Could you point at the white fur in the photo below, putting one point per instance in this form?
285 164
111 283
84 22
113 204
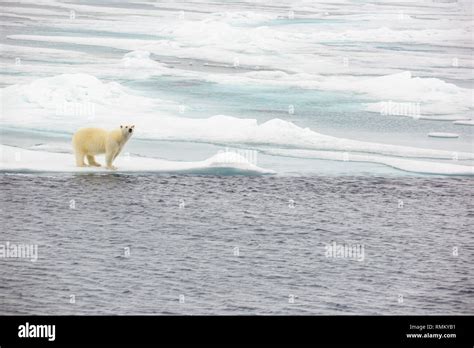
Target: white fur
88 142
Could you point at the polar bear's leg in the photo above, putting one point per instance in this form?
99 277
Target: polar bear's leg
92 162
80 159
116 154
109 157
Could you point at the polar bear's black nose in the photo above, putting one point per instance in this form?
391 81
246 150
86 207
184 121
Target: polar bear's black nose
130 130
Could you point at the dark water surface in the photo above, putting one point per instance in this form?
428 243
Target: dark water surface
238 246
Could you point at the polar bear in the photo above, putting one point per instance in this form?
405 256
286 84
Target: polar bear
94 141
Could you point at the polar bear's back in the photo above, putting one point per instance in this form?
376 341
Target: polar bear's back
90 141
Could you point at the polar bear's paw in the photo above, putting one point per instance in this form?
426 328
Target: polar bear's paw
112 167
91 161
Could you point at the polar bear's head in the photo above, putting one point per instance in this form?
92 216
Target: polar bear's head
127 131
